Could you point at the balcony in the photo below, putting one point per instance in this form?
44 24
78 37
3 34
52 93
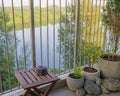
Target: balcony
60 90
52 33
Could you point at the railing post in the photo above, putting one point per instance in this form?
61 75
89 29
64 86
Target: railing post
76 31
31 4
0 82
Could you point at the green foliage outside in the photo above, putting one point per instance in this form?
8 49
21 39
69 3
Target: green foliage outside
66 37
37 16
91 29
56 71
89 35
7 55
111 19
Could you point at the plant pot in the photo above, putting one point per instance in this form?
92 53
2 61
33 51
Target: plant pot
109 68
92 75
74 84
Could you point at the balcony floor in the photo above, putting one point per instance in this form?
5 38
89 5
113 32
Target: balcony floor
60 89
63 91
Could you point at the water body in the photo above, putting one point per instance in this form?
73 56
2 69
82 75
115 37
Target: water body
38 46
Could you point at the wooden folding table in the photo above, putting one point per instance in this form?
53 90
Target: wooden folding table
30 80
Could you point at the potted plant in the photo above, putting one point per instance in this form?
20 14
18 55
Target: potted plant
92 52
75 79
109 63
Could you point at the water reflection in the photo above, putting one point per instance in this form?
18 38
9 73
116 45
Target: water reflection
38 46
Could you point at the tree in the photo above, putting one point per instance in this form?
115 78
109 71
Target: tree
86 33
111 18
7 54
66 36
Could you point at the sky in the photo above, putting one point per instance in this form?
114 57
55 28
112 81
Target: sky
36 2
7 3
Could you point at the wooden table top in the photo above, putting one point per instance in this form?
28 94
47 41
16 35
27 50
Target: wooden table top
29 78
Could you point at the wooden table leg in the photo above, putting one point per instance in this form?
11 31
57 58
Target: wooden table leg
37 90
30 92
49 89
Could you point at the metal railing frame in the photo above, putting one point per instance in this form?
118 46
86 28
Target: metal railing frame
31 4
77 35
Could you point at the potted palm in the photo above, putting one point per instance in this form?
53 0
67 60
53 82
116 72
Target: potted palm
109 63
75 79
91 51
